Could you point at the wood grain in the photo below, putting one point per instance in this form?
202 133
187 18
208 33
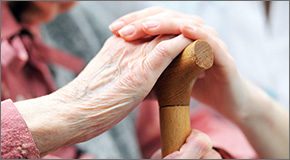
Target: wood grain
173 90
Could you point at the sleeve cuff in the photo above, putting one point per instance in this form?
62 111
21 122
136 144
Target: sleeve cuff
16 139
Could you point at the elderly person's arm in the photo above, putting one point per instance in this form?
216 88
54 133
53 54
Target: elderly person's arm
264 122
108 89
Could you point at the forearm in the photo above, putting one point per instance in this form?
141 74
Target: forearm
265 123
64 117
47 121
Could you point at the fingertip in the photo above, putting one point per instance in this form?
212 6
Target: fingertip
116 25
127 31
189 31
189 28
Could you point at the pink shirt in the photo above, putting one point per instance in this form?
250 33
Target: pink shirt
24 75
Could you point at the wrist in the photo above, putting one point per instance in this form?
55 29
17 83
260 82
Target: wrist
46 118
234 98
256 105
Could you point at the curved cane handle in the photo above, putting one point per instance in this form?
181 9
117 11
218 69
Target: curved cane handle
173 90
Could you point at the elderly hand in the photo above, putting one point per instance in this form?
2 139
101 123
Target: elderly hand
221 86
119 78
197 146
107 90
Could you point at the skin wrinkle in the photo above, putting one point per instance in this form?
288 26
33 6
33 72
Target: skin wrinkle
103 80
103 124
123 54
94 106
91 79
143 61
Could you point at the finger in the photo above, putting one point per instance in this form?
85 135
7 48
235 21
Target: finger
124 20
211 30
156 155
223 62
212 154
164 52
220 53
154 25
196 146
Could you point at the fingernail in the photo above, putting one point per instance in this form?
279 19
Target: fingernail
190 27
116 25
127 31
151 24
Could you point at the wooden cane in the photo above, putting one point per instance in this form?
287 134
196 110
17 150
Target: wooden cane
173 90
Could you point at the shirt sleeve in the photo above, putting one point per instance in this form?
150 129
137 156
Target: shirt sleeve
16 139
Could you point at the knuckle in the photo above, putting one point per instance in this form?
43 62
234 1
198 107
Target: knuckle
161 49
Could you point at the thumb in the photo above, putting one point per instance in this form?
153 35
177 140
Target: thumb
197 145
157 155
164 52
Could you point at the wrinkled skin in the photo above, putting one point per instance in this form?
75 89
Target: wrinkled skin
115 81
120 77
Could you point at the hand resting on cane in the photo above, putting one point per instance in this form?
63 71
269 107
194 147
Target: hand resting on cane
264 122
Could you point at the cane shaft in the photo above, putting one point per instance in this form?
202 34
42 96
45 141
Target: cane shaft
175 127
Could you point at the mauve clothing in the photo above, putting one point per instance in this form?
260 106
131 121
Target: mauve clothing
25 74
16 140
